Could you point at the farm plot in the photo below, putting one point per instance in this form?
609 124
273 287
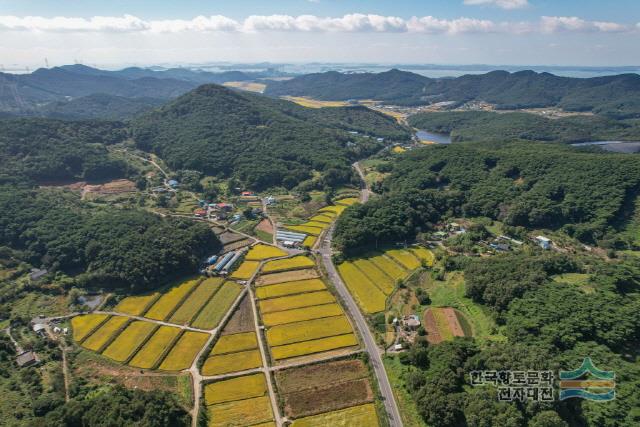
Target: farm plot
295 301
314 231
390 267
245 271
356 416
261 252
136 305
168 302
348 201
300 314
97 340
84 325
232 362
404 257
322 218
196 300
287 288
336 209
184 351
247 412
293 263
378 277
423 254
148 356
235 343
445 323
230 237
286 276
241 320
308 330
212 313
126 344
309 241
238 388
369 297
312 347
236 245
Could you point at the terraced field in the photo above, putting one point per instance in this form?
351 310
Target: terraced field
169 301
240 401
97 340
136 305
261 252
293 263
159 343
196 300
287 288
356 416
368 296
245 271
83 325
184 351
126 344
233 353
211 314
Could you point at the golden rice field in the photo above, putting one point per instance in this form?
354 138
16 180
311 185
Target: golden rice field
248 86
300 314
261 251
389 267
184 351
311 347
196 300
424 254
232 362
286 276
295 301
309 241
348 201
384 282
237 388
123 347
245 271
398 150
83 325
288 288
367 295
148 356
294 263
236 342
317 224
404 257
103 335
314 103
240 412
356 416
322 218
308 330
168 302
137 305
314 231
336 209
217 307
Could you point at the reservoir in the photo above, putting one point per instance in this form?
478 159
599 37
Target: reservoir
436 138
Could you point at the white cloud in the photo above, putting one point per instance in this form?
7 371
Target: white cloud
504 4
351 23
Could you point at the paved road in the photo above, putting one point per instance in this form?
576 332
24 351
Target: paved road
370 345
365 192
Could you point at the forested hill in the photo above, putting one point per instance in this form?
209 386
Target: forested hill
98 106
259 140
618 96
523 184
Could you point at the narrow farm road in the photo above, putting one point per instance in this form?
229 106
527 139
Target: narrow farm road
365 192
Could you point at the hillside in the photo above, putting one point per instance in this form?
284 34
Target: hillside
98 106
617 96
261 141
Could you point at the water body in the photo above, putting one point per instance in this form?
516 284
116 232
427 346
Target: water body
613 146
438 138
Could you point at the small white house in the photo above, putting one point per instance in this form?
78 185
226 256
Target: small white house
543 242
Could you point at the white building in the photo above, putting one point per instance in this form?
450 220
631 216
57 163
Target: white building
543 242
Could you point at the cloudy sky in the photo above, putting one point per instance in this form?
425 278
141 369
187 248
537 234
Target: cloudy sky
144 32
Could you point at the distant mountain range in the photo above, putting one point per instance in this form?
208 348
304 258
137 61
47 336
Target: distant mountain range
617 96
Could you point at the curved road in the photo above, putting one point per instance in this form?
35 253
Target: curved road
369 342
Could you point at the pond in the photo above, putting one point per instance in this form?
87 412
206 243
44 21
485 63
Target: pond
437 138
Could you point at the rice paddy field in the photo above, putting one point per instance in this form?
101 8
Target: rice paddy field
290 302
322 218
300 314
287 288
168 302
136 305
261 252
149 355
406 258
238 388
293 263
246 412
126 344
348 201
306 229
335 209
213 312
308 330
98 339
309 241
390 267
368 296
378 277
83 325
235 343
184 351
195 301
232 362
315 346
245 271
356 416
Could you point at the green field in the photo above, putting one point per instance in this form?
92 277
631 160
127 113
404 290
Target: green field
217 307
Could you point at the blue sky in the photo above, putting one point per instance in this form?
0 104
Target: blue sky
519 32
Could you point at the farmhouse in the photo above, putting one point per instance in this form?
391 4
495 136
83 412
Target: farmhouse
28 358
543 242
412 321
37 273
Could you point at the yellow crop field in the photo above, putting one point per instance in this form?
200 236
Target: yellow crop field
308 330
235 389
148 355
314 103
83 325
398 150
336 209
236 342
377 276
129 340
314 231
322 218
269 424
135 306
404 257
424 254
240 412
167 302
214 311
184 351
311 347
317 224
355 416
348 201
294 263
245 271
102 336
248 86
196 300
262 251
309 241
389 267
300 314
369 297
232 362
288 288
286 276
295 301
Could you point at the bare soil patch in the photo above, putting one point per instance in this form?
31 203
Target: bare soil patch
237 245
320 375
454 324
330 398
241 320
265 225
433 335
